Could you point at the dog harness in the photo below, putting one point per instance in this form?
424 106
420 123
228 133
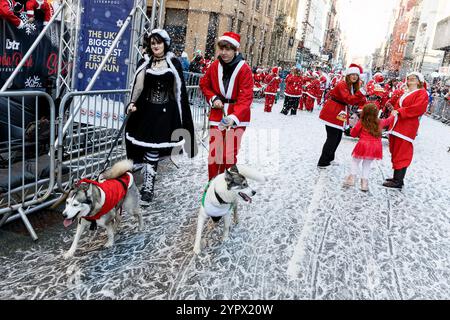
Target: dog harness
212 210
112 192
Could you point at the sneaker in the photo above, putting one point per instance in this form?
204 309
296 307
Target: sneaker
323 167
364 185
146 198
349 181
334 163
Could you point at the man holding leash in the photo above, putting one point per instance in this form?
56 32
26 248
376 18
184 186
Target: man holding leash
228 88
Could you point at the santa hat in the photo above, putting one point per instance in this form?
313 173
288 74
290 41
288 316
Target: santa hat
163 34
232 38
417 74
354 69
378 77
275 70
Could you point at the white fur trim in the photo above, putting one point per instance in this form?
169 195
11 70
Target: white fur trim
211 100
308 94
235 119
417 74
229 93
405 95
230 40
130 183
270 93
30 12
401 136
241 124
353 70
332 125
169 57
154 145
147 60
291 95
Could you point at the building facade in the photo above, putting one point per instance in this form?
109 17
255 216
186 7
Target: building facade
196 25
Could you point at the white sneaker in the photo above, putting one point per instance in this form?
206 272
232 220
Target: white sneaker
334 163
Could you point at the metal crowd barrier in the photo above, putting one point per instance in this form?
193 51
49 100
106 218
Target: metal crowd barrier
90 122
27 154
439 109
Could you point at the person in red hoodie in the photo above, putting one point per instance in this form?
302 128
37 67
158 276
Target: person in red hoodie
411 106
293 92
228 88
43 5
8 11
272 82
335 111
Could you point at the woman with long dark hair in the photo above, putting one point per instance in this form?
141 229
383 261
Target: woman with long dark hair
160 109
335 111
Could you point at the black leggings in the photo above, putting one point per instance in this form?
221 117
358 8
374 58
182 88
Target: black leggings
334 137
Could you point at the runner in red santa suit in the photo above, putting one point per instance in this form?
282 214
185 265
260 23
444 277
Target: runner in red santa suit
272 82
307 78
412 105
313 93
43 5
8 10
335 111
392 103
376 92
293 92
228 87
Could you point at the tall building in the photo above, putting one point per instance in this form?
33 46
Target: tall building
441 40
400 35
312 19
196 25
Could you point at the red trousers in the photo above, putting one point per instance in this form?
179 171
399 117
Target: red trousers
401 152
223 149
270 99
309 103
301 105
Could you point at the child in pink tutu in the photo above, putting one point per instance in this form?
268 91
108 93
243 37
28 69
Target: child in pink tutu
369 146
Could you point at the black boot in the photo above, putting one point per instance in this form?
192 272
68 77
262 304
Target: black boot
397 181
293 111
284 111
148 186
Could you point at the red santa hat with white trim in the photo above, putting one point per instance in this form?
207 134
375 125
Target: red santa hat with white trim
232 38
354 69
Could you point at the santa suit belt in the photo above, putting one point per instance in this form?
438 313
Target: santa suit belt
337 101
224 100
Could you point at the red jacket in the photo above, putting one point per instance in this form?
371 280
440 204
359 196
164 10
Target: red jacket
332 108
313 89
412 106
240 89
7 13
114 191
258 78
293 86
36 5
273 83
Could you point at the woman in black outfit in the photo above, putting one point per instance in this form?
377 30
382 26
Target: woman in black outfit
161 117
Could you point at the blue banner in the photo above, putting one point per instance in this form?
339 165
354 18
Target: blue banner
101 21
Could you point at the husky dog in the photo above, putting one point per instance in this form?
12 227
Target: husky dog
101 203
221 196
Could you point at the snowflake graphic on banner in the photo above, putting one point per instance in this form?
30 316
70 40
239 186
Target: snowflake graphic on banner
33 82
29 27
119 23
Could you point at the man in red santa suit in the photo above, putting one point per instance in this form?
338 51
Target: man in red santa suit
272 82
8 10
293 92
43 5
402 133
228 88
335 113
306 79
376 92
313 93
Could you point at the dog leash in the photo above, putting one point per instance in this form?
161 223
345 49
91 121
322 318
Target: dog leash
119 134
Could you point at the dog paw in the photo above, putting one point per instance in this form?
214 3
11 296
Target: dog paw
196 250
